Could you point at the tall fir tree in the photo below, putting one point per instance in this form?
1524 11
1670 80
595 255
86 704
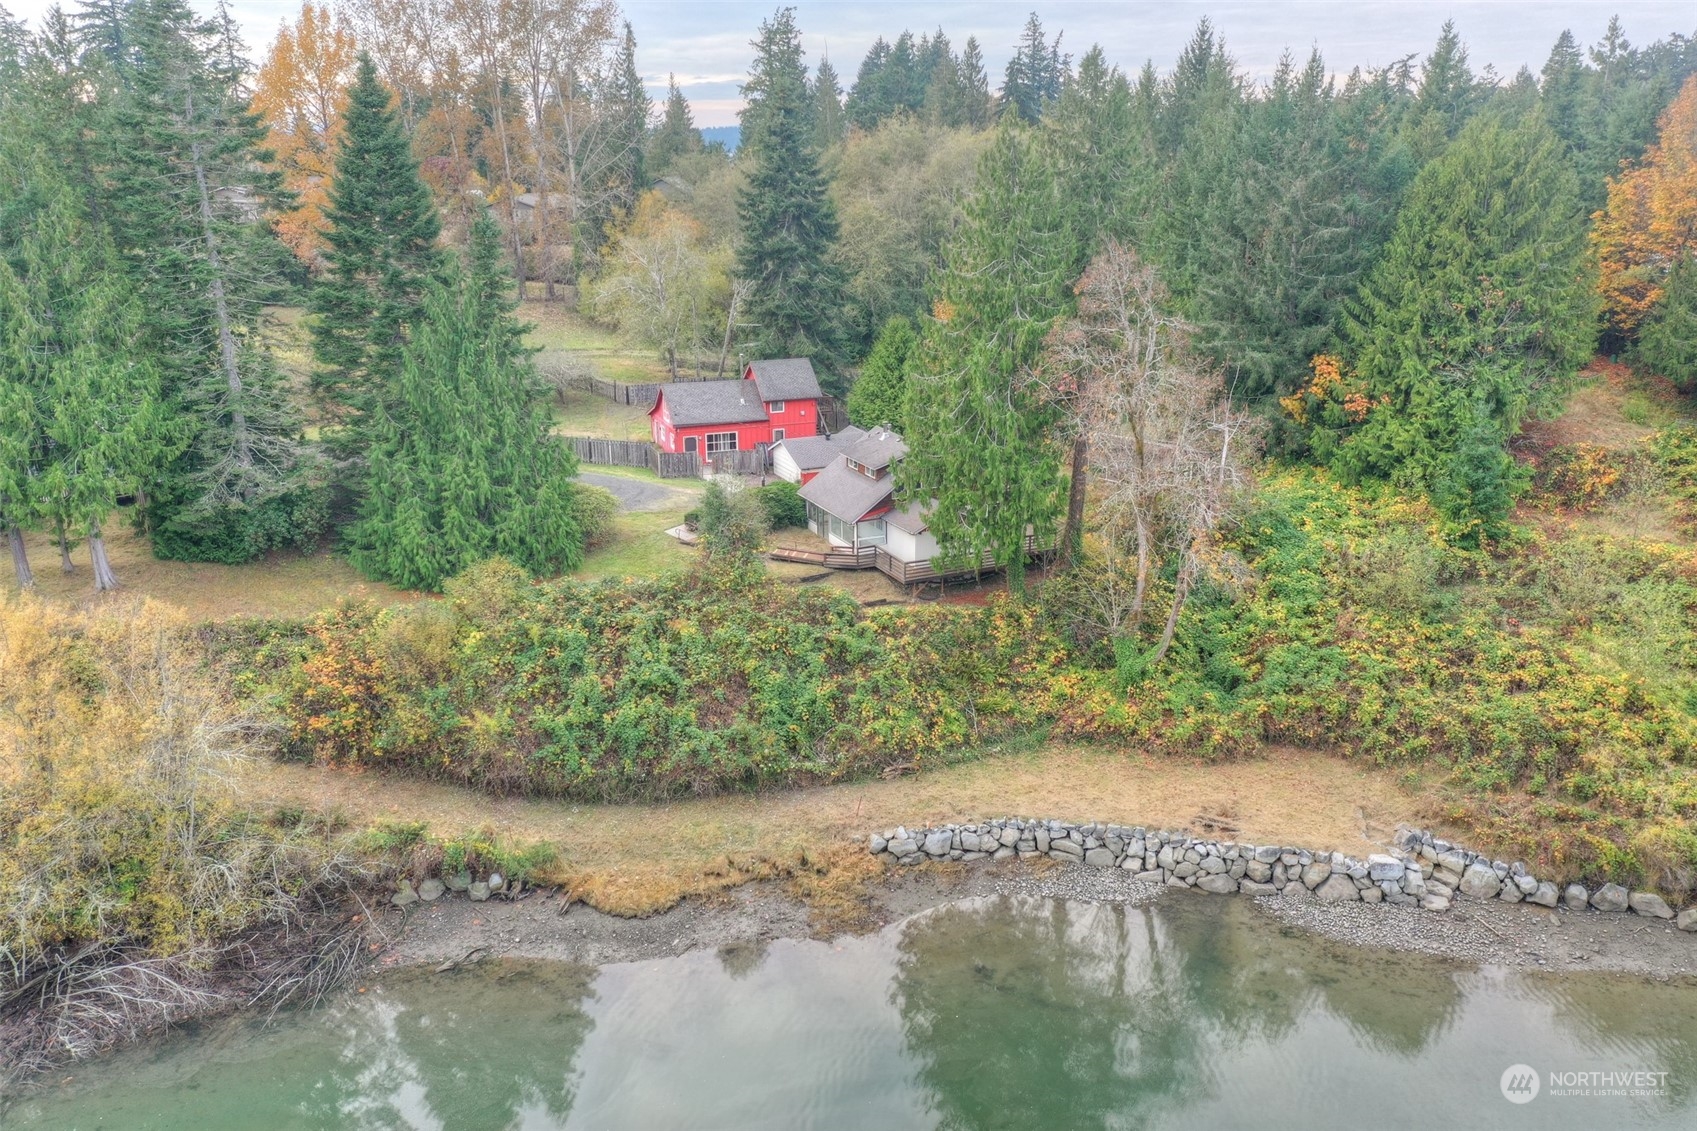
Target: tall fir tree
1035 74
979 446
80 396
789 226
1480 312
182 151
676 137
463 465
879 395
975 86
829 126
382 256
1667 344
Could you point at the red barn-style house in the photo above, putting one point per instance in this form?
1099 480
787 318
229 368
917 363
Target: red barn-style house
775 400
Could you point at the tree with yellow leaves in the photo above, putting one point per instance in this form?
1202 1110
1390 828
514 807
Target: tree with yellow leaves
301 90
1650 222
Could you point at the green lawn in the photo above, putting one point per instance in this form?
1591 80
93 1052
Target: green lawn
639 547
565 334
580 413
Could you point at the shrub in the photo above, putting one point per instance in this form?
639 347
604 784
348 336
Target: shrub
594 508
783 504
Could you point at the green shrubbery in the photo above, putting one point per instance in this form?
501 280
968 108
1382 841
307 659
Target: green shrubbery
684 684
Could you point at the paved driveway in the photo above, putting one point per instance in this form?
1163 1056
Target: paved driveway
640 494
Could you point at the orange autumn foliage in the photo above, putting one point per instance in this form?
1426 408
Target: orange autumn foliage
300 91
1650 219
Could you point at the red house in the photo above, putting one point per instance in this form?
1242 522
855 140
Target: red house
775 400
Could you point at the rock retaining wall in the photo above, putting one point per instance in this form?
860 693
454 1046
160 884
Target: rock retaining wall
1423 871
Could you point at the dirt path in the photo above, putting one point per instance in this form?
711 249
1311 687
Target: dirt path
643 857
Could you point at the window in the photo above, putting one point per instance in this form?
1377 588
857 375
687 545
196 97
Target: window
871 533
775 406
777 435
690 444
721 442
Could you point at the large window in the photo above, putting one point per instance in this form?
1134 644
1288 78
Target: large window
721 442
775 406
872 533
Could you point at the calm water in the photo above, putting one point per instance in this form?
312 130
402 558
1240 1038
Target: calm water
998 1013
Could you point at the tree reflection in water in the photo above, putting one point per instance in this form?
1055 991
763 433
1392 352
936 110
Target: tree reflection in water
431 1055
1021 1012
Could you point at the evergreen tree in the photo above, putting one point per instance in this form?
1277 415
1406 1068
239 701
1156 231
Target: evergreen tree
1667 344
181 179
978 430
1562 85
1034 75
879 395
382 258
975 86
1480 311
676 136
788 223
828 120
1447 96
81 399
463 465
868 102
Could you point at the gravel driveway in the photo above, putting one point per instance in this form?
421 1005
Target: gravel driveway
639 494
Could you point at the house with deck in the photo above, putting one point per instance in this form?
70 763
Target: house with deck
851 504
773 401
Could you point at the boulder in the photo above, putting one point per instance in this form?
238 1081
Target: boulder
905 846
1268 854
1686 920
1575 897
1432 901
1214 865
1511 893
1371 895
937 843
1381 867
1066 850
1258 871
1009 837
1337 888
876 844
1546 895
478 891
1314 874
1251 887
1184 869
497 883
405 896
1002 853
1650 905
1217 882
431 890
1152 876
1481 881
1100 857
1610 897
459 881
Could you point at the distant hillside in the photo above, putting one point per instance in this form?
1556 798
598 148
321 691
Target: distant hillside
728 135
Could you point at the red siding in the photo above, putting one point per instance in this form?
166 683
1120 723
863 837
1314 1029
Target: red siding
797 418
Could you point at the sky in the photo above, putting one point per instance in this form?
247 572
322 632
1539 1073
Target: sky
706 42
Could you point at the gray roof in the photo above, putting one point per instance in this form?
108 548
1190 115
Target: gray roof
879 449
813 452
841 491
785 379
908 518
692 403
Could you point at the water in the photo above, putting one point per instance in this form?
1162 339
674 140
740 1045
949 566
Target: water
994 1013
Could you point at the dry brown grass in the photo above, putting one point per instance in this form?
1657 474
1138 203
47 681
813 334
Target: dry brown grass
639 859
281 584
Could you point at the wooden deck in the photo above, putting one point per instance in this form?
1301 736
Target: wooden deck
918 573
841 558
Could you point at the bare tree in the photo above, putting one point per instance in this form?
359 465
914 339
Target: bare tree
1152 424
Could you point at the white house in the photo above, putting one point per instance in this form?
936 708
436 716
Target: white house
801 458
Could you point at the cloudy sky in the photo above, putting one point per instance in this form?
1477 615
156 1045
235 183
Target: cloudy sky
706 42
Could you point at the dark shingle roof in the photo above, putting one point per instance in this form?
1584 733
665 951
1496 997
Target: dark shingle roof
909 518
879 449
813 452
785 379
693 403
841 491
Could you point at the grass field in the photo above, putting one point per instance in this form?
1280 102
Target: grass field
284 583
579 413
557 330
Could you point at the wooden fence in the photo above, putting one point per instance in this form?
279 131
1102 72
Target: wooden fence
740 463
636 453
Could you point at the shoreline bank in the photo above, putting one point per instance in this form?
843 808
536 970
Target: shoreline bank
1477 933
